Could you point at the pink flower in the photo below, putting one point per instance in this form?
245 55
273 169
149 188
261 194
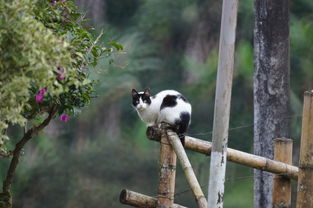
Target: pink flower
42 91
53 2
39 96
61 74
64 117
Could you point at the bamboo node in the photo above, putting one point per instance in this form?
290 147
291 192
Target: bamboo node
165 195
309 93
306 167
168 167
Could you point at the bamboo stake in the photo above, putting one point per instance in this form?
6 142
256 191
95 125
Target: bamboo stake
186 166
282 184
139 200
166 187
243 158
305 179
222 103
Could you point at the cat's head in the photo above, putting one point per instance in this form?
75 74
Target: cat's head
141 100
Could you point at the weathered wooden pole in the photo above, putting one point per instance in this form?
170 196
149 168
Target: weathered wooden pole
271 88
222 103
236 156
166 189
305 178
186 166
281 183
140 200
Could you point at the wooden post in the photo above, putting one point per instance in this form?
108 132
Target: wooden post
166 189
222 103
281 183
186 166
140 200
236 156
305 178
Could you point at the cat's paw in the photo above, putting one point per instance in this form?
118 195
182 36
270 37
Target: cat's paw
164 125
153 132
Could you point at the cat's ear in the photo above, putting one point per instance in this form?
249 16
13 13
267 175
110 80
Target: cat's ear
147 92
134 92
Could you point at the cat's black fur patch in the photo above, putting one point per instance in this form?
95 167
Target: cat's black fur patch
143 96
183 98
169 101
183 122
146 98
135 99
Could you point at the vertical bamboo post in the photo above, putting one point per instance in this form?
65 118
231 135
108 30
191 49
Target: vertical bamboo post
222 103
305 177
282 184
166 187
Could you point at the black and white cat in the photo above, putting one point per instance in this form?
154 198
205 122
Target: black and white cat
167 106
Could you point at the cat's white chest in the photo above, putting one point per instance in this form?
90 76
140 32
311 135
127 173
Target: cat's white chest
150 116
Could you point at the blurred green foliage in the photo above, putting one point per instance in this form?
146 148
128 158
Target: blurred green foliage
85 163
31 54
44 46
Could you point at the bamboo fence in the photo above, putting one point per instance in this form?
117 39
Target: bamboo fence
281 166
243 158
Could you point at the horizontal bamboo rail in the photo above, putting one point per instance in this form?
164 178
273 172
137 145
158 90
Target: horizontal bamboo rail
139 200
243 158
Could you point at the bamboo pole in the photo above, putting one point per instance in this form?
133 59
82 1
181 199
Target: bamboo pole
222 103
140 200
305 179
243 158
282 184
186 166
166 188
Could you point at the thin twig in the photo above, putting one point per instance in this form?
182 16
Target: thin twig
20 145
93 44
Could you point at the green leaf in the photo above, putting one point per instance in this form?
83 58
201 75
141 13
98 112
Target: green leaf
116 45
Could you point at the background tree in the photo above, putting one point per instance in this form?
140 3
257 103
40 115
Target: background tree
45 55
271 87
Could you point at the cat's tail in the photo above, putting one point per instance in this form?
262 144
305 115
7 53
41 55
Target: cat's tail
182 125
